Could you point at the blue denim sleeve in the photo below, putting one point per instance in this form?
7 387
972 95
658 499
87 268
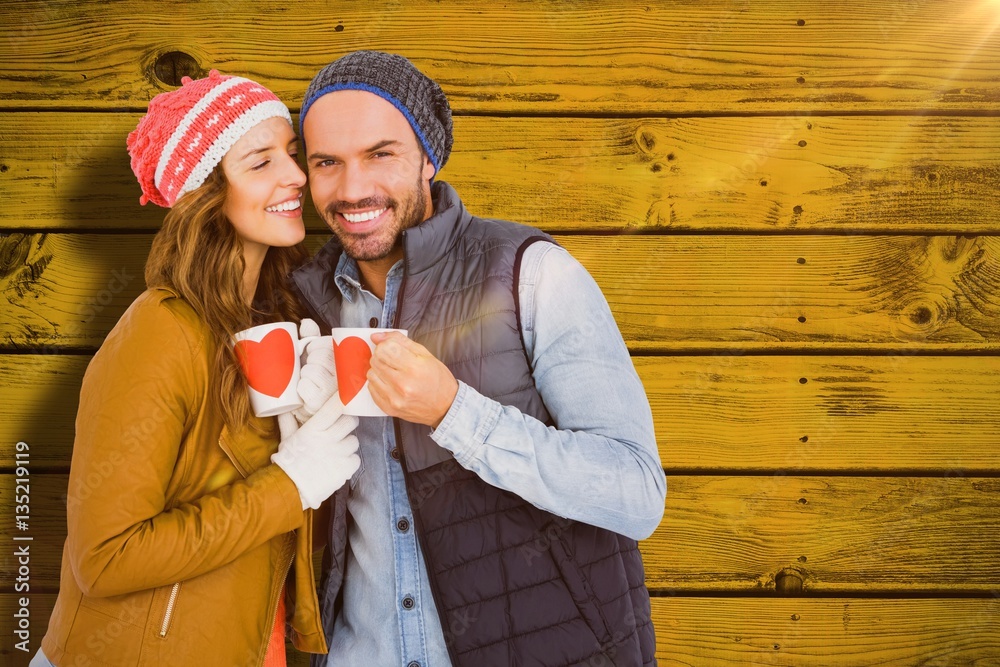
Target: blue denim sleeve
599 464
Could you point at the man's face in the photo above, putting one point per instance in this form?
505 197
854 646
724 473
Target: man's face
368 177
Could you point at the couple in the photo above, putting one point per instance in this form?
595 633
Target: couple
492 519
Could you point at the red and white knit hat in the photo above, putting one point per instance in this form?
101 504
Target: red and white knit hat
186 132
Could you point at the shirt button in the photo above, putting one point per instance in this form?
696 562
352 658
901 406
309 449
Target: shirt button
408 602
394 453
403 525
413 664
373 322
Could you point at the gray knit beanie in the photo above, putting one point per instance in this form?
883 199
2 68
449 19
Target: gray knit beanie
396 80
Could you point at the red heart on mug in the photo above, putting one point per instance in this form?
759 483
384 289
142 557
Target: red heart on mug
353 358
268 364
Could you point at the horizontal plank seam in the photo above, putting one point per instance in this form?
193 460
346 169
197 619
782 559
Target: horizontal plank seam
602 232
884 594
597 115
875 473
790 350
872 473
783 350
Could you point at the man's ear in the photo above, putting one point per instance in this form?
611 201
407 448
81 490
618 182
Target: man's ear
428 168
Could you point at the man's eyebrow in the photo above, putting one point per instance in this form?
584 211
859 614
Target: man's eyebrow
317 155
382 144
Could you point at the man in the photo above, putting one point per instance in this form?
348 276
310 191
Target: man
494 517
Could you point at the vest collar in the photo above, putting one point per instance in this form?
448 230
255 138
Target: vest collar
430 241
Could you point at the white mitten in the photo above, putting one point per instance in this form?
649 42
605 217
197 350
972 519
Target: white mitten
322 454
318 377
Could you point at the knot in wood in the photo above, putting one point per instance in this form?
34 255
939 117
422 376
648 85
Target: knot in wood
922 316
13 253
646 140
788 582
173 66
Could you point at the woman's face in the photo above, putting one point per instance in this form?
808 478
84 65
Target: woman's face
264 199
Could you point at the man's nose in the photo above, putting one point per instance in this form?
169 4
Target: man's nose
355 184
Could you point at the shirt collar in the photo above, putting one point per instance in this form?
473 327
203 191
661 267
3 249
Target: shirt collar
347 278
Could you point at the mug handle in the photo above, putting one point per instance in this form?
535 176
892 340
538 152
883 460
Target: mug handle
301 343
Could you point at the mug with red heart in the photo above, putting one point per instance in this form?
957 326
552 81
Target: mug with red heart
269 355
352 354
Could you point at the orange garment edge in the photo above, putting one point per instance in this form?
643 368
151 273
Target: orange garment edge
275 656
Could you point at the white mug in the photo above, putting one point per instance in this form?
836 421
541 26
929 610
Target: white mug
269 355
352 353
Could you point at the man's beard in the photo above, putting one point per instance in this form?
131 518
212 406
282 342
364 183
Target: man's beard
378 243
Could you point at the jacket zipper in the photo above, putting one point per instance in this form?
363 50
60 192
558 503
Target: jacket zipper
170 609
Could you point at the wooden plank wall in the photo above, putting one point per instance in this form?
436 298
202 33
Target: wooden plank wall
791 206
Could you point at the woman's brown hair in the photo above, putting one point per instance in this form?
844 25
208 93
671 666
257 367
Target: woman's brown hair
198 254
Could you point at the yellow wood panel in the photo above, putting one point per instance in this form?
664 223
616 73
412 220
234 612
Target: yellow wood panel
846 632
730 292
592 56
68 289
39 396
911 173
921 535
712 413
839 535
853 413
819 292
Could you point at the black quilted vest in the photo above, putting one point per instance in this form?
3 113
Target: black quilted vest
513 584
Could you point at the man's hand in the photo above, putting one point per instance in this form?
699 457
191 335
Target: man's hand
409 382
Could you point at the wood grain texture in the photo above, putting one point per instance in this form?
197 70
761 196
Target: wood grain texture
588 57
696 631
847 632
830 535
724 292
39 397
857 414
838 535
63 288
907 174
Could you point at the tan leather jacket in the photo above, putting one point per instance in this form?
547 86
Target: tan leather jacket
180 533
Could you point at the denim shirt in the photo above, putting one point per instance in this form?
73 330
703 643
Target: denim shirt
601 466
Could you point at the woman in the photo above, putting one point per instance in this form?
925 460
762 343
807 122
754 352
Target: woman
183 519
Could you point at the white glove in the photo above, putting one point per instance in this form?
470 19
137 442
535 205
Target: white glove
318 376
321 455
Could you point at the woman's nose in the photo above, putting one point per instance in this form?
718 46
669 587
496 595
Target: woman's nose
293 175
